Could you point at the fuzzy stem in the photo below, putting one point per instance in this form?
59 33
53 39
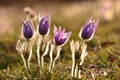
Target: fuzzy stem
81 62
29 58
38 55
74 68
79 67
81 43
38 51
52 65
24 61
51 58
42 61
79 71
28 50
79 74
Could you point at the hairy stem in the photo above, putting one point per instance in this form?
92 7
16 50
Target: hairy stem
52 65
42 61
38 55
24 61
78 62
74 68
39 45
30 55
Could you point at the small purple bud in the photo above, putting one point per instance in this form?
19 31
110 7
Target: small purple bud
60 37
27 29
88 29
43 26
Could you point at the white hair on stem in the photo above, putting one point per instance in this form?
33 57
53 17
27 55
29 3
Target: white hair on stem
45 53
73 57
82 57
38 49
52 61
30 55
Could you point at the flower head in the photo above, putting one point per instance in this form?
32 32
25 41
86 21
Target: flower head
88 29
60 36
27 29
44 23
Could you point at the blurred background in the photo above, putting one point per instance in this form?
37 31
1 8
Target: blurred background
70 14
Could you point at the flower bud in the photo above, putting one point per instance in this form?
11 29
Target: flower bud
27 29
88 29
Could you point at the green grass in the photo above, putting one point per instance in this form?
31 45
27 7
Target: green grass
98 62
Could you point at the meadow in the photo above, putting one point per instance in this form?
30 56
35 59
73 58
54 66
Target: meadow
103 59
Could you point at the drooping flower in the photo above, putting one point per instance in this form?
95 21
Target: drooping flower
60 36
27 29
43 26
88 29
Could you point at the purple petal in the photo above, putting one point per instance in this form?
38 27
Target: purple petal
27 29
43 25
60 36
89 28
55 30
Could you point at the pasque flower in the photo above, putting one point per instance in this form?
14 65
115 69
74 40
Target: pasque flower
27 29
25 47
60 36
88 29
43 30
44 23
43 49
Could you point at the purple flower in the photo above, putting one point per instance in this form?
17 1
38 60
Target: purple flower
43 26
88 29
60 37
27 29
